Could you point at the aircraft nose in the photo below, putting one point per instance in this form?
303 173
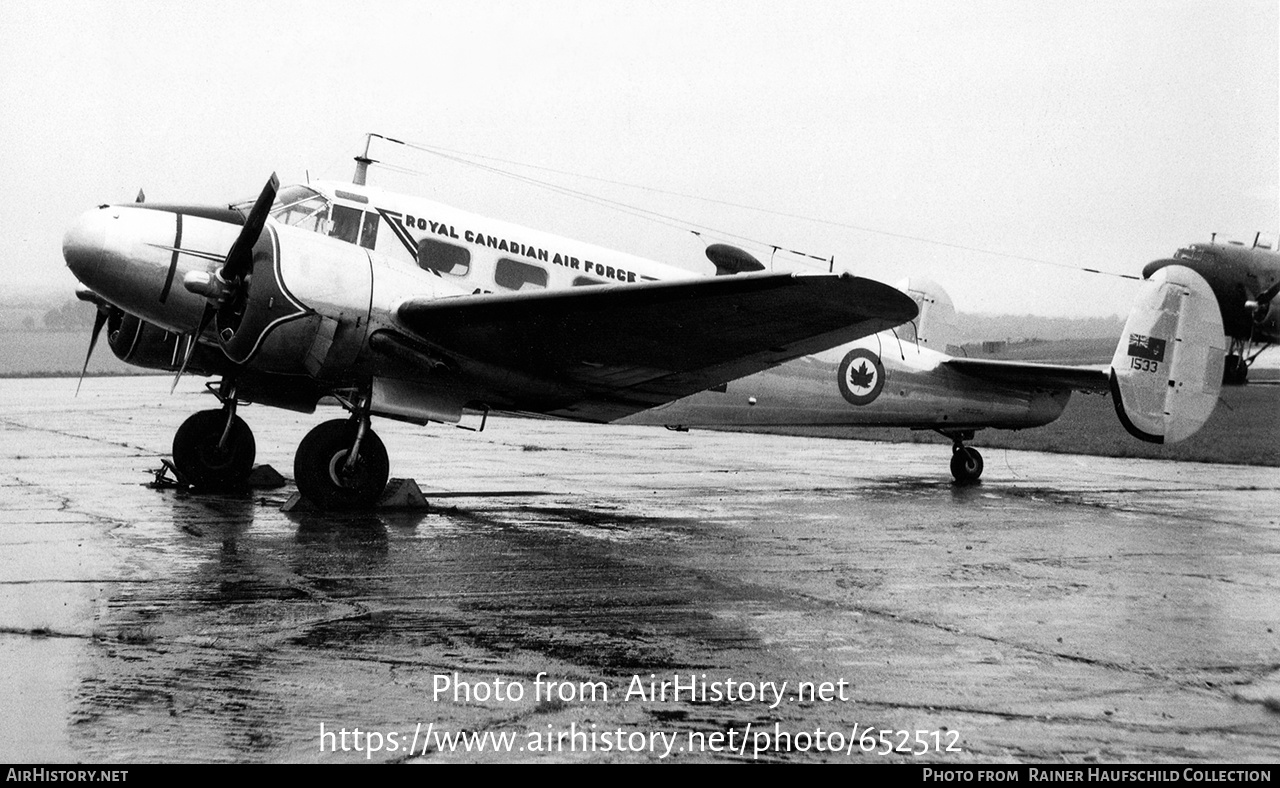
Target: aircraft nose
84 244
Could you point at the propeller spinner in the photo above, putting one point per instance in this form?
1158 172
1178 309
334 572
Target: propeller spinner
1261 306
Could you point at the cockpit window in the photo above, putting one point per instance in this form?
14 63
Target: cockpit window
298 206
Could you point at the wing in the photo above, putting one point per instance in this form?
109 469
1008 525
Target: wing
1021 374
599 353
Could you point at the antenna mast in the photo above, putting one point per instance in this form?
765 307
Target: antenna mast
363 162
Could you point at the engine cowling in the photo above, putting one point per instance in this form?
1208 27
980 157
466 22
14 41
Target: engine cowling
142 344
304 309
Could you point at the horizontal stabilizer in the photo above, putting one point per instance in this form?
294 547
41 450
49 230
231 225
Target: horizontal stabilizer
1020 374
1167 368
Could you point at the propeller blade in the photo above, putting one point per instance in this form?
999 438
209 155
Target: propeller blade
99 320
205 319
240 257
1266 296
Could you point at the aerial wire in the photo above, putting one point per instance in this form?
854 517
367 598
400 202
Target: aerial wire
467 158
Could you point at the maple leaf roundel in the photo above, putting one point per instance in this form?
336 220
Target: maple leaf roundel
861 376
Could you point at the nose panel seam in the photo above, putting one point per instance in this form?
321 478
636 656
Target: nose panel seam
173 261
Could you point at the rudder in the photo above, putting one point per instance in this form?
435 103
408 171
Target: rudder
1167 369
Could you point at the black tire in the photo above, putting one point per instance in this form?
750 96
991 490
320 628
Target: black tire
319 467
1235 371
966 465
202 464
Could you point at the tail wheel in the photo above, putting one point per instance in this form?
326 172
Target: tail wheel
966 464
321 470
202 462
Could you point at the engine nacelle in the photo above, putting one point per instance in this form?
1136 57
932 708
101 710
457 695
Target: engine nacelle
303 310
142 344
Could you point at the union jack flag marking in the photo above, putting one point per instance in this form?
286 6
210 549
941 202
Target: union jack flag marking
1150 348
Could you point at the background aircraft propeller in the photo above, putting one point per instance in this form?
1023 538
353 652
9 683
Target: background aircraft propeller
1261 306
228 282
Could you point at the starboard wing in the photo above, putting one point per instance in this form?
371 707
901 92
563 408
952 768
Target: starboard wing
602 352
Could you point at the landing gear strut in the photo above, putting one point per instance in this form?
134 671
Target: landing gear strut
966 462
214 450
1235 368
342 464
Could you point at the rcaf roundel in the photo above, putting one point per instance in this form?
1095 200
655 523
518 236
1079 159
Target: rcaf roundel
861 376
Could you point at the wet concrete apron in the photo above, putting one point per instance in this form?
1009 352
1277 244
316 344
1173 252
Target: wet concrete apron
1068 608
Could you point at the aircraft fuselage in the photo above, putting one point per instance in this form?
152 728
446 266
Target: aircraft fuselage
877 381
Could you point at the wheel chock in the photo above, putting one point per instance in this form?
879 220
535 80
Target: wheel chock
402 494
162 480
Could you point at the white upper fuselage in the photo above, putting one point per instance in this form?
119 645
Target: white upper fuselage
914 391
327 301
477 252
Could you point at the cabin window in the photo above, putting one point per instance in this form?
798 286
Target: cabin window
515 275
443 258
369 235
346 223
582 281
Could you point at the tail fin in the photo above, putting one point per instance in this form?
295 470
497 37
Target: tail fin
935 326
1167 369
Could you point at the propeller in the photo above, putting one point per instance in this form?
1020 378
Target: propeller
229 280
99 320
1261 305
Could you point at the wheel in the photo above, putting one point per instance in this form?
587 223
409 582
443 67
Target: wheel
319 467
199 460
1235 372
966 464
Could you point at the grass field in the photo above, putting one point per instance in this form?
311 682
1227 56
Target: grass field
57 353
1244 429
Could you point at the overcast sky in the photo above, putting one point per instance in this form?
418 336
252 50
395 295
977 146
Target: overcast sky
945 140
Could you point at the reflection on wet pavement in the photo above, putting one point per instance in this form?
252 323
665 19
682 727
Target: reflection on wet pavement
1095 610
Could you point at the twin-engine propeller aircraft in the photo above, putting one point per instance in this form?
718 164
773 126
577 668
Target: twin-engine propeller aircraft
292 298
400 307
1246 281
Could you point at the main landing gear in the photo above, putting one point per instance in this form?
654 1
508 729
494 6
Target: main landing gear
342 464
213 450
966 462
1235 367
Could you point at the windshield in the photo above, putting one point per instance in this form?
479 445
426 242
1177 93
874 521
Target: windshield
298 206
